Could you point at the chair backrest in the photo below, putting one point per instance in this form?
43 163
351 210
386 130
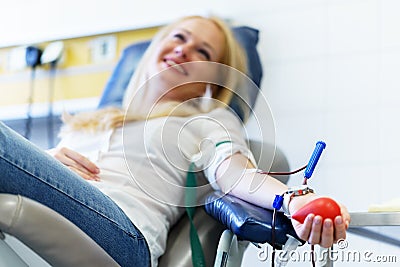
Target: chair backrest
131 55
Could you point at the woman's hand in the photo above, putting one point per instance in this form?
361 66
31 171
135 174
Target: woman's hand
315 230
76 162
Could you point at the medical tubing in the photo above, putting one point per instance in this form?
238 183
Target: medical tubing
309 169
283 173
319 147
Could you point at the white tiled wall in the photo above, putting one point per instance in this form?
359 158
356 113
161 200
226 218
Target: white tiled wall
332 73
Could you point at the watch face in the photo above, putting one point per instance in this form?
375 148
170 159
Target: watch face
300 190
297 188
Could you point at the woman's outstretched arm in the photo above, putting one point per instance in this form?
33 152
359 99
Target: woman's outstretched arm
260 189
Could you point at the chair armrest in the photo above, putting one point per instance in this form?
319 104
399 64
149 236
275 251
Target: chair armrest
247 221
49 234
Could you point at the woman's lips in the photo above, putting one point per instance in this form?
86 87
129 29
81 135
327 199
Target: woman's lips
176 66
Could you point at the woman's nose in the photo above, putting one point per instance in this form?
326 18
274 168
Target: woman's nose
180 50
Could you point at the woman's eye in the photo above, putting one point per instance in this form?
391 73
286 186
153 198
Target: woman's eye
205 53
179 36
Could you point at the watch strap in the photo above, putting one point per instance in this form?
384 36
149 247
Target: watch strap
291 193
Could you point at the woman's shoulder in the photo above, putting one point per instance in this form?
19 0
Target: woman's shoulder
224 114
218 118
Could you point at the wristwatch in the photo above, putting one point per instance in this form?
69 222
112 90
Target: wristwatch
294 192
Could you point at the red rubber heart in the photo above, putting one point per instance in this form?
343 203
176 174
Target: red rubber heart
324 207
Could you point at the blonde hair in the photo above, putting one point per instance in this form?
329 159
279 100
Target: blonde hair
108 118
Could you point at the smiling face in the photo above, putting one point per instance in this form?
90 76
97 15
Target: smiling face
195 39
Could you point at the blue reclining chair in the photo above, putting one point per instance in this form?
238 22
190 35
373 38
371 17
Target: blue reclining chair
60 243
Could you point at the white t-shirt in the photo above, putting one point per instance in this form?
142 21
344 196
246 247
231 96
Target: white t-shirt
143 165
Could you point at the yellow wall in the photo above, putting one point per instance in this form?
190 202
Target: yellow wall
77 76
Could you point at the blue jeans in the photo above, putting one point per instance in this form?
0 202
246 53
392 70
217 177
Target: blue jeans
29 171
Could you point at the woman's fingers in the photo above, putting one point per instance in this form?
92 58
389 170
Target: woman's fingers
325 233
84 175
303 230
64 159
77 163
340 228
315 233
345 215
330 232
81 160
321 232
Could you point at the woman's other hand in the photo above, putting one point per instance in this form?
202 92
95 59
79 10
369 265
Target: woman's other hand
315 230
76 162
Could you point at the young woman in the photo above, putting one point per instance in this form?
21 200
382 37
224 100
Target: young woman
134 160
